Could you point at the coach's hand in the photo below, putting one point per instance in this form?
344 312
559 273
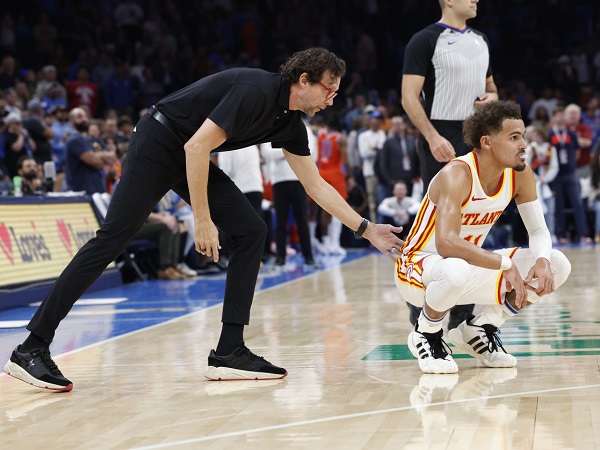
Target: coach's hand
384 239
206 236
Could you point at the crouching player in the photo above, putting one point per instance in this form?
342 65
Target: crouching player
442 263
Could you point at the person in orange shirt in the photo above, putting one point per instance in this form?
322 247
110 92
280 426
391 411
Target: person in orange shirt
333 166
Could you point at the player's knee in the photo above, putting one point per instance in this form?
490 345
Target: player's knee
561 267
455 271
449 279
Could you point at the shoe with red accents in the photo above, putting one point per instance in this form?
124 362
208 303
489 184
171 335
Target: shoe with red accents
38 369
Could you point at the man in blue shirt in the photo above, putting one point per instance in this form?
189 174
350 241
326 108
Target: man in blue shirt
84 163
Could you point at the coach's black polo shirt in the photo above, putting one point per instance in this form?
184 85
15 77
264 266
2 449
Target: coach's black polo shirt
251 105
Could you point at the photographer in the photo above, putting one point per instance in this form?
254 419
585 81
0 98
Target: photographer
31 176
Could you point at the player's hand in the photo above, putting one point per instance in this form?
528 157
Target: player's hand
206 237
441 149
384 239
513 280
545 281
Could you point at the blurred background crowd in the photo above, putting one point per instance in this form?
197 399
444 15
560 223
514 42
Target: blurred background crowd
111 60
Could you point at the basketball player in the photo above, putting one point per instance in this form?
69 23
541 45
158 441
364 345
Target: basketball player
442 263
446 74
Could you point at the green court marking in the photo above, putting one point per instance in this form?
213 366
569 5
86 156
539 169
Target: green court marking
543 327
574 347
546 334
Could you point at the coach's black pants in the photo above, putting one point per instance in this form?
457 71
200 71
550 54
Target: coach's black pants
155 163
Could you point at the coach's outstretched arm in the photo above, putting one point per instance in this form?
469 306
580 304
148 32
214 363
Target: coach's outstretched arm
380 235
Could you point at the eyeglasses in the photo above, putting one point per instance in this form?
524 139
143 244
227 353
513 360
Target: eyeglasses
330 92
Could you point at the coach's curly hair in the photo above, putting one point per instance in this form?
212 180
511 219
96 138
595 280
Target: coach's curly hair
487 120
313 61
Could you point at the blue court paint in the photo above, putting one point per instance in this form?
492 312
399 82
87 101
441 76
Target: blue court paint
149 303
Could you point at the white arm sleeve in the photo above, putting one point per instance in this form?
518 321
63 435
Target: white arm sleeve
540 241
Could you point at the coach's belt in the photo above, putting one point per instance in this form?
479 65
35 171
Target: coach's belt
162 119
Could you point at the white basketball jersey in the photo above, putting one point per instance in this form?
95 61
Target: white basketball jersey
479 213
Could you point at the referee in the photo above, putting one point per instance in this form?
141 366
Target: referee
447 73
170 149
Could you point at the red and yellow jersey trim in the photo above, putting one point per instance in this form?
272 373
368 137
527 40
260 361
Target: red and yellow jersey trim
423 227
408 278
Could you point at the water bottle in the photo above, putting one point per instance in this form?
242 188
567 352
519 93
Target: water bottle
17 186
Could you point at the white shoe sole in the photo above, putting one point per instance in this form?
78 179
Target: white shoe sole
449 367
229 374
16 371
455 338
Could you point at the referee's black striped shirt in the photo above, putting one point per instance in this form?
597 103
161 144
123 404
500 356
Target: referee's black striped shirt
455 64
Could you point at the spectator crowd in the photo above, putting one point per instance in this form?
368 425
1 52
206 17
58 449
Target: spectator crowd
76 76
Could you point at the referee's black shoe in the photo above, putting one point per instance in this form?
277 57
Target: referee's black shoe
38 369
242 364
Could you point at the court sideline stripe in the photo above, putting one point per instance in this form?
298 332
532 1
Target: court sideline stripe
353 416
175 319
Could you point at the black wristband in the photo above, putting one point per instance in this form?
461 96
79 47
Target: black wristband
362 228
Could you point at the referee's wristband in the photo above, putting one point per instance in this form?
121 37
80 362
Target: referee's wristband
362 228
506 263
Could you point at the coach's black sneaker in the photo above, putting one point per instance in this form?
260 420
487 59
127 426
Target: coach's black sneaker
242 364
37 369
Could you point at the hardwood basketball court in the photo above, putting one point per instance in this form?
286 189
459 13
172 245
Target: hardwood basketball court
341 334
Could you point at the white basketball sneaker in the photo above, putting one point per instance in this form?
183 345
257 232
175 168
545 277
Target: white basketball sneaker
432 352
481 342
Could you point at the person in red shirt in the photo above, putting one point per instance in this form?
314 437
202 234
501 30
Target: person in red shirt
82 92
333 167
584 138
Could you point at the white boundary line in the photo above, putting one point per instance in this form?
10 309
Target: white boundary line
5 324
92 301
352 416
175 319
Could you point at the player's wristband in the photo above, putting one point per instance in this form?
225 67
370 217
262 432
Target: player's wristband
506 263
362 228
